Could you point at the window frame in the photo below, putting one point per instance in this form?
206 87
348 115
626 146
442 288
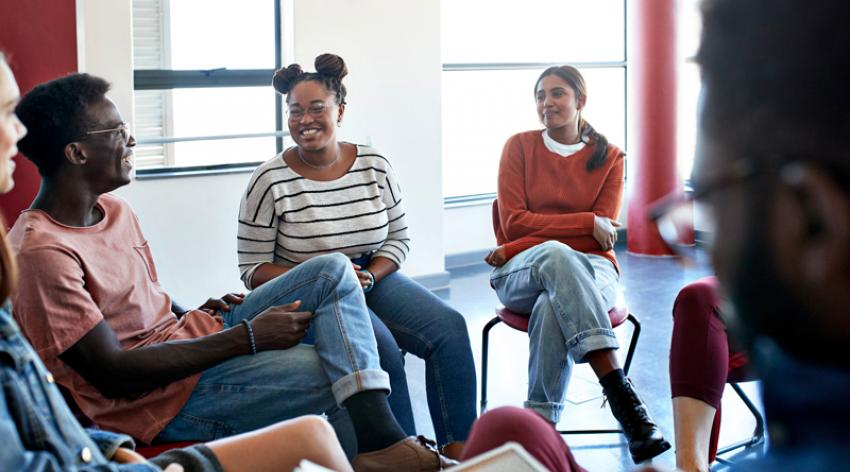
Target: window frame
485 198
171 79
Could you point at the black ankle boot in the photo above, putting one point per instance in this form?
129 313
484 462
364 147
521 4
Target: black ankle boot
645 440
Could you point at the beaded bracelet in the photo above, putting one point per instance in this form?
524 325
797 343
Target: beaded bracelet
250 336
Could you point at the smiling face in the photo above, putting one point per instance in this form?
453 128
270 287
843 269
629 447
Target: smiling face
107 156
313 115
557 104
11 129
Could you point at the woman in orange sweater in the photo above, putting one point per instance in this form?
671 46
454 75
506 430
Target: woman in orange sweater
560 190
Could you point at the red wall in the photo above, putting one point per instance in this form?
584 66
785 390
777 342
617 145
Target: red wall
39 38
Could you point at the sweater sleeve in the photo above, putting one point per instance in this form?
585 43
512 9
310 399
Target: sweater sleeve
397 245
610 199
516 219
578 243
257 233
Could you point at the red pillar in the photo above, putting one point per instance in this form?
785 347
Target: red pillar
39 38
652 92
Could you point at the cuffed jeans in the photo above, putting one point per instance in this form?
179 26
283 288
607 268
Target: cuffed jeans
427 327
337 359
568 294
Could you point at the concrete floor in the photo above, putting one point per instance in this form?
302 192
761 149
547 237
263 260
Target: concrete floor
649 286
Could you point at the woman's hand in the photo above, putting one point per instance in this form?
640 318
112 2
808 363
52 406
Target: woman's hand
128 456
213 305
605 231
364 278
497 257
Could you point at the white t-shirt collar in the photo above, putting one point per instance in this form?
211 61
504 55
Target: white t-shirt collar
560 149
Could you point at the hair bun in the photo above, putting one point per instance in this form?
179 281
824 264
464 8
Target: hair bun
331 65
284 78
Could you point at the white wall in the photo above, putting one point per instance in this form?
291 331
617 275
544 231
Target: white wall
393 52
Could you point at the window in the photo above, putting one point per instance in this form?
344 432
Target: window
203 70
688 34
494 50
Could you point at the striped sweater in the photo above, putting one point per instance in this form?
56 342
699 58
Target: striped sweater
286 219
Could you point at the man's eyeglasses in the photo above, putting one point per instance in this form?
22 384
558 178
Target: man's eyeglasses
123 129
315 110
674 214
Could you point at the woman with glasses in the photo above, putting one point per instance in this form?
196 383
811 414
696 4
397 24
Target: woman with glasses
559 193
324 196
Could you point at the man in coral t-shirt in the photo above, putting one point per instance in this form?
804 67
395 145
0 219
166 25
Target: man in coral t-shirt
91 305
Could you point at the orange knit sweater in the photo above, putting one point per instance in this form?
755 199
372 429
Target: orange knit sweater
544 196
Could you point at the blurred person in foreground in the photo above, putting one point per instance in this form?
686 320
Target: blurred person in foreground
773 170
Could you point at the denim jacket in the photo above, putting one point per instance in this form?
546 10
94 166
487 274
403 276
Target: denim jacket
38 432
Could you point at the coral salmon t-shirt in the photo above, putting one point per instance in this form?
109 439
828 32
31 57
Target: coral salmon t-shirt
71 279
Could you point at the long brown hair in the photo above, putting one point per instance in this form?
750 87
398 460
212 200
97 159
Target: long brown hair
8 269
587 133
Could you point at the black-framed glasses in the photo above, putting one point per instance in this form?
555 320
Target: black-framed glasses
123 129
316 110
675 214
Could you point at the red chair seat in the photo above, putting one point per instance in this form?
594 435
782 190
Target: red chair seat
519 322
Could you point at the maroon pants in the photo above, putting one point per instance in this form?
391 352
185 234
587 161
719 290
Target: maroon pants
536 435
700 359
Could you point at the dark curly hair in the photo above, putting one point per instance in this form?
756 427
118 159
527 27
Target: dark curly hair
587 133
775 75
55 115
330 69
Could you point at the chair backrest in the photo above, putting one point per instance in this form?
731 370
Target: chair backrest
496 225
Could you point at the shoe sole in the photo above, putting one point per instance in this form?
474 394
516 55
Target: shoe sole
651 451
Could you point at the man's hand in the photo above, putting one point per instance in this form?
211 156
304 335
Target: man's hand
222 304
605 232
280 327
497 257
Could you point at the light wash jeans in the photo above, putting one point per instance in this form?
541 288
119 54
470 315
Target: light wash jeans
336 359
568 294
427 327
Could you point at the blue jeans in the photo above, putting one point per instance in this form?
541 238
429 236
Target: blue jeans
392 362
568 294
337 359
427 327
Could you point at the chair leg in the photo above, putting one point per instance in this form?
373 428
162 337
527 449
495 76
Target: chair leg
485 341
633 343
629 355
758 432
